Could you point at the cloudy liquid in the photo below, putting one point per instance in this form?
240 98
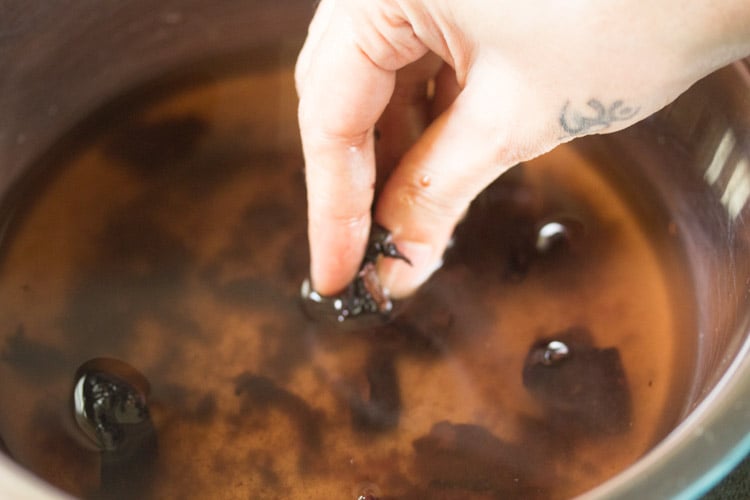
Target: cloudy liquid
169 233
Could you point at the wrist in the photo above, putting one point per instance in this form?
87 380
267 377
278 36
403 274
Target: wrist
724 32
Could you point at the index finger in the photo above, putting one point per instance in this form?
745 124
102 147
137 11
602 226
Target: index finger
345 78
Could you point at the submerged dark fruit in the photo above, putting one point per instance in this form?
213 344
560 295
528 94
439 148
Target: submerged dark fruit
468 459
380 412
365 297
109 403
260 394
578 384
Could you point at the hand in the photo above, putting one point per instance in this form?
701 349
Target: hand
519 79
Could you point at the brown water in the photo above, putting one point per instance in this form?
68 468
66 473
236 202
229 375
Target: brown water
168 232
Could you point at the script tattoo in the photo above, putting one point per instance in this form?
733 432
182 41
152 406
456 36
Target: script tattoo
599 117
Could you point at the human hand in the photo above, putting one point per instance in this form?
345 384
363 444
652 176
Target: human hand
526 77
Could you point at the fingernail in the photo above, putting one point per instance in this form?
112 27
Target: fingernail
402 279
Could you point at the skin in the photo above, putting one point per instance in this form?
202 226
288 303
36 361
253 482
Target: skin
512 80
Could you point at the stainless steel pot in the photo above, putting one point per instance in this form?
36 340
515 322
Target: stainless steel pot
61 60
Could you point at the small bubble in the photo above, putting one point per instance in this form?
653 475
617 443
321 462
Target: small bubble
554 352
367 491
557 233
549 234
425 181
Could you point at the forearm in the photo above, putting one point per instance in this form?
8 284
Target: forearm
733 22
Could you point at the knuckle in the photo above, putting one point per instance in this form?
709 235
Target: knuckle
390 41
336 206
348 219
509 148
343 219
325 148
320 127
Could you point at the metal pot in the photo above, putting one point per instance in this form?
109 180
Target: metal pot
62 60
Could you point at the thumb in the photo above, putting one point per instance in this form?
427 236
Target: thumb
463 151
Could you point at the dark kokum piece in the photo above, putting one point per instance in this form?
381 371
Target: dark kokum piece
129 472
579 385
468 458
364 298
260 394
109 403
381 411
381 243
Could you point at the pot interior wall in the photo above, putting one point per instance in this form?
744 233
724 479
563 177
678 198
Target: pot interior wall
61 61
697 154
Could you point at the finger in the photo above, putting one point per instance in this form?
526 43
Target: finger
335 125
318 26
464 150
341 96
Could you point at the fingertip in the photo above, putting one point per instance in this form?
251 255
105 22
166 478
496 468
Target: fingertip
400 278
336 251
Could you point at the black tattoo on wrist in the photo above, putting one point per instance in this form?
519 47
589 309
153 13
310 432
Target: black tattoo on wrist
598 117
